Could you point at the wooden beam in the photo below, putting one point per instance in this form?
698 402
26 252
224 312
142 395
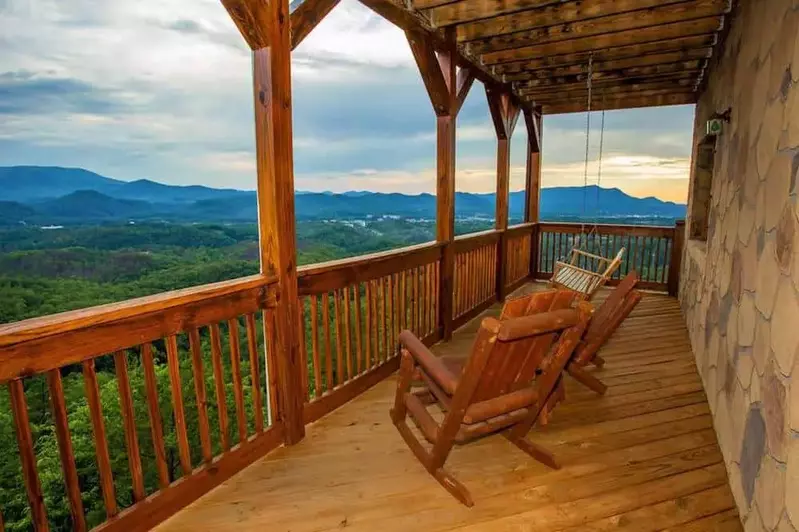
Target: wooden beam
639 89
589 17
686 57
401 14
619 53
464 84
430 68
532 182
703 26
504 114
616 77
622 102
306 16
275 187
248 18
445 179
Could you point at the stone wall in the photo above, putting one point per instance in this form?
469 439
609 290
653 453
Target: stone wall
740 288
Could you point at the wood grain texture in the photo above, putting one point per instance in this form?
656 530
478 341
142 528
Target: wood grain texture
178 411
255 372
154 412
92 389
66 453
523 28
235 373
129 425
75 336
275 186
220 385
307 16
703 26
27 455
198 374
648 442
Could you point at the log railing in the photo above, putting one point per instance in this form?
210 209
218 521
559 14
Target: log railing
353 312
175 391
649 250
475 273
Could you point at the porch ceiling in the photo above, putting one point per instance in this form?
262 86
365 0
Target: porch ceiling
645 52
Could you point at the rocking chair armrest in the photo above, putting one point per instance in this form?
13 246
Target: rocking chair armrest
431 364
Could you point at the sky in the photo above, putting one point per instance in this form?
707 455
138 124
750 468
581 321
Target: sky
161 89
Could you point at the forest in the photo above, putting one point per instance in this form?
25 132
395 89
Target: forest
44 271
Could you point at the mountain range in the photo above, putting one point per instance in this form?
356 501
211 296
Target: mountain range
56 195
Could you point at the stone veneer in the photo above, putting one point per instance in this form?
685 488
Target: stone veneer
740 289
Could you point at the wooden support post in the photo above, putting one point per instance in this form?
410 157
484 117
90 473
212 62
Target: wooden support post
504 114
447 89
675 262
532 182
266 28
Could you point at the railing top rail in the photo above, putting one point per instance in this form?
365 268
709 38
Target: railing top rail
521 228
608 229
40 344
331 275
478 234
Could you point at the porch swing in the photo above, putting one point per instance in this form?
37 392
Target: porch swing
596 270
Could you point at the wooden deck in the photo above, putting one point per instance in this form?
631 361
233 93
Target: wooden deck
643 457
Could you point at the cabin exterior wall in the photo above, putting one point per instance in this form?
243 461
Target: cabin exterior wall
740 288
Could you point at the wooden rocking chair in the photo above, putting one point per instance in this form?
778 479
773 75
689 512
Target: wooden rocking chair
586 282
604 322
511 373
608 317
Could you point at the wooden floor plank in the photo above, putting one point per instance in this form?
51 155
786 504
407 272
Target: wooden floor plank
642 457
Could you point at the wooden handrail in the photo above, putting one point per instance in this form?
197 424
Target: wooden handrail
464 243
517 230
331 275
38 345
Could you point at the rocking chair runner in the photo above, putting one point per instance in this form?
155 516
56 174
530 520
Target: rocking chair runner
511 373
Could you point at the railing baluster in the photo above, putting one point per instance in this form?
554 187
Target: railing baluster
92 389
348 331
397 311
369 326
380 334
271 361
129 425
403 300
27 455
219 386
386 313
255 372
328 341
154 411
303 348
235 370
340 378
65 450
195 346
317 363
358 330
177 403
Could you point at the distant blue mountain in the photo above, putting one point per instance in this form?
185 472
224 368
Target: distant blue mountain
59 195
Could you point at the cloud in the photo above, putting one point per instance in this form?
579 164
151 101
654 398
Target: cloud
164 91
